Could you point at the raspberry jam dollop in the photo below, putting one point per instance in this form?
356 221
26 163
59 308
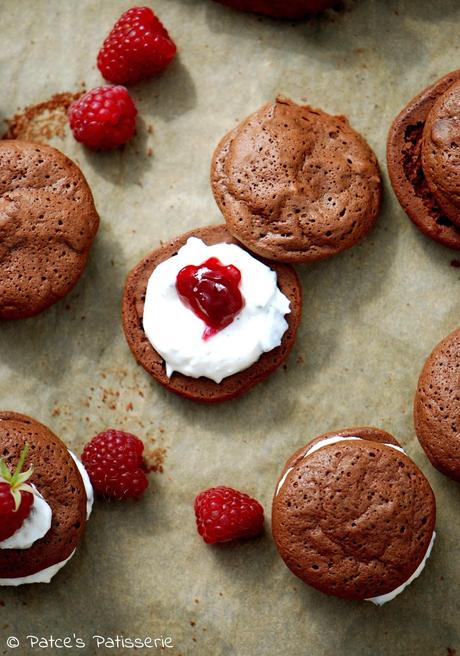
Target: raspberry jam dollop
212 291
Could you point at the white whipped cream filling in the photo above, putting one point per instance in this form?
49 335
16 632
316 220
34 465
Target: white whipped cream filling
86 482
381 599
176 333
45 575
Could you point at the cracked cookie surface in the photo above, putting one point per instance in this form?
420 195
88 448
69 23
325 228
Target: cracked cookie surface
296 184
47 224
355 518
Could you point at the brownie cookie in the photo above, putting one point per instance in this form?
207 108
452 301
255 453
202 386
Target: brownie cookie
58 480
47 224
353 516
203 389
440 152
411 134
437 407
281 8
296 184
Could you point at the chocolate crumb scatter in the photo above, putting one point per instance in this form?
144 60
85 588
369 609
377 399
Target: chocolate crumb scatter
154 460
43 121
455 263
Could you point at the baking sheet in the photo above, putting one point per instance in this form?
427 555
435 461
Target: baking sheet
371 317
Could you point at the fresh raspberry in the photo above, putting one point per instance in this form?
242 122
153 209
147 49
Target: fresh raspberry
103 118
137 47
113 460
16 497
223 514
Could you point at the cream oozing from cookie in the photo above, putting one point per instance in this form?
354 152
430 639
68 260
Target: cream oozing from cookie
381 599
176 332
37 525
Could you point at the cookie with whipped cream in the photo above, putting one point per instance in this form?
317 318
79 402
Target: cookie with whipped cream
436 406
296 184
353 516
281 8
417 147
48 222
174 296
63 499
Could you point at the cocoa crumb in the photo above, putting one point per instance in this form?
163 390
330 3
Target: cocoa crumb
455 263
42 121
56 412
192 623
154 460
129 407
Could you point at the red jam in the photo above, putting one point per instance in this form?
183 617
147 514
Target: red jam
212 291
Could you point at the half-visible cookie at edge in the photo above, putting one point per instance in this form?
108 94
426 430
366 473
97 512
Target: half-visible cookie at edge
203 389
296 184
47 224
441 152
59 482
404 159
437 406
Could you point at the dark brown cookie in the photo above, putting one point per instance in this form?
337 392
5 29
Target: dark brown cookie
203 389
295 184
404 159
281 8
437 406
58 480
441 152
355 518
47 225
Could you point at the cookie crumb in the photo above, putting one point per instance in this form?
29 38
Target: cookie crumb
43 121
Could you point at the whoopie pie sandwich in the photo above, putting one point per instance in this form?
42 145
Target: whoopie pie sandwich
295 184
437 406
424 162
45 500
48 222
208 319
281 8
353 516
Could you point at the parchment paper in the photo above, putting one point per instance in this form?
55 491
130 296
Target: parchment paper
371 317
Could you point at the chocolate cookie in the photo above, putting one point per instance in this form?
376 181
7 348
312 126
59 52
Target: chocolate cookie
58 480
281 8
203 389
406 168
354 518
47 225
437 408
295 184
440 151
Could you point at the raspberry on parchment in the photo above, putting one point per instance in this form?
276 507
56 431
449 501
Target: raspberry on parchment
224 514
103 118
137 48
114 462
